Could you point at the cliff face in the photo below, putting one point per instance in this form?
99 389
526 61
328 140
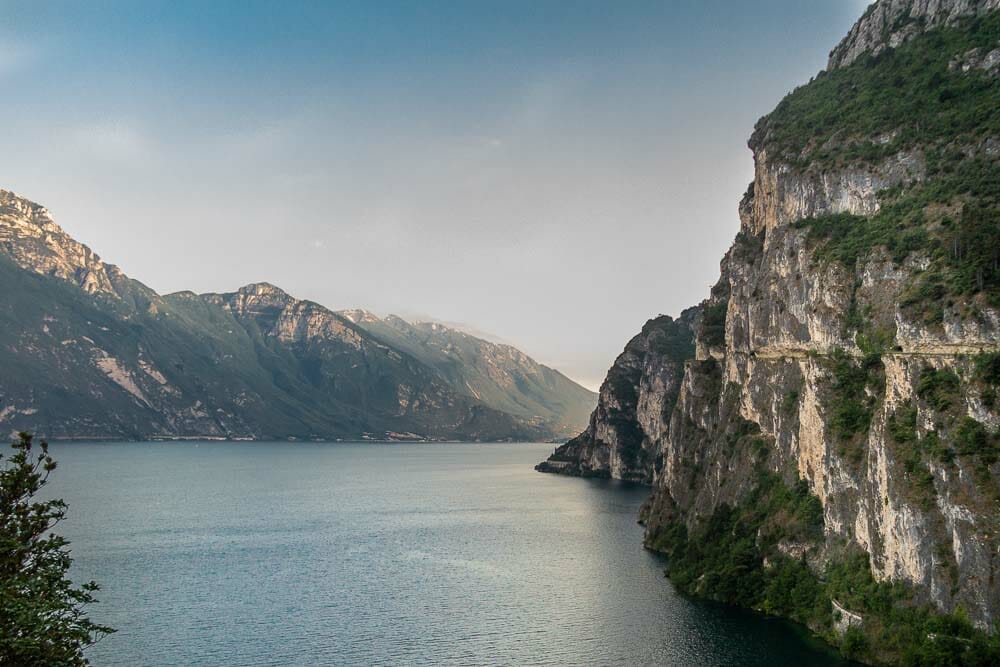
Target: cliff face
87 352
889 24
32 239
627 428
849 352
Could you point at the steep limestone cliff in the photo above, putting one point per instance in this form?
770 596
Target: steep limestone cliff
834 440
634 406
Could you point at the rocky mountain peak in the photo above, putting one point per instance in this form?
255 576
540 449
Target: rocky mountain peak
890 23
358 316
15 204
32 239
263 290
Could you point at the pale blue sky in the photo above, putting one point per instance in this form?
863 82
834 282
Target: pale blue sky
552 172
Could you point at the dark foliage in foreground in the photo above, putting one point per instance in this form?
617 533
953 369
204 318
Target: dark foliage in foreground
42 620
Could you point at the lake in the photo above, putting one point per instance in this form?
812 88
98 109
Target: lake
215 553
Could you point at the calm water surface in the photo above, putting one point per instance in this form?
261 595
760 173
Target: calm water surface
362 554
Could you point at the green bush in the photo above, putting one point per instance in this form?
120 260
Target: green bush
789 402
913 452
940 388
972 439
854 645
713 324
43 618
988 368
902 425
851 404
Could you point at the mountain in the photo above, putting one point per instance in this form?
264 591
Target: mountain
498 375
831 454
87 352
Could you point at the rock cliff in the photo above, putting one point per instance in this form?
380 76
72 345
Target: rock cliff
634 406
835 431
888 25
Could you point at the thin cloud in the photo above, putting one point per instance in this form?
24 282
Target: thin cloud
115 140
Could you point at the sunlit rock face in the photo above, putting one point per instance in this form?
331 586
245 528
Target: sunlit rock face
30 237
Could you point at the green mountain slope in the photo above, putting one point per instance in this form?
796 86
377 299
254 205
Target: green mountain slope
86 352
499 375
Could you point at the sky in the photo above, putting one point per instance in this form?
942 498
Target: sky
552 172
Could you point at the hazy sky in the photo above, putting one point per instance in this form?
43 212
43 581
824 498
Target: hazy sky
555 173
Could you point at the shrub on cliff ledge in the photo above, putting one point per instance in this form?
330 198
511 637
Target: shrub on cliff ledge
42 619
713 324
941 388
853 399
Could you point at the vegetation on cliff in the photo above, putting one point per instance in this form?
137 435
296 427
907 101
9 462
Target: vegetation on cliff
921 97
952 220
913 95
757 555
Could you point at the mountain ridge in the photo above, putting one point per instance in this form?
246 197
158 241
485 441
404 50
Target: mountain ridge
266 365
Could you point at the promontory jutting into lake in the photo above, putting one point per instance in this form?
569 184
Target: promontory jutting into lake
238 464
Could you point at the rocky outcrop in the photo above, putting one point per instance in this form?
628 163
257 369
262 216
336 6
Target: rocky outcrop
782 194
89 353
636 399
30 237
889 24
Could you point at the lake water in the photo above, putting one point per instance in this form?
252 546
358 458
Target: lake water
363 554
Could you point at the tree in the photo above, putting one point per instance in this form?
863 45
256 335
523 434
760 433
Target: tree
42 619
